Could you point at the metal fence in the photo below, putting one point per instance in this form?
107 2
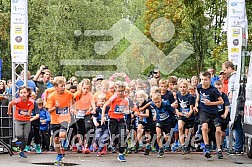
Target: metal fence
6 122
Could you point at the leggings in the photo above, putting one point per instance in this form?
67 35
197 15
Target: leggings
22 130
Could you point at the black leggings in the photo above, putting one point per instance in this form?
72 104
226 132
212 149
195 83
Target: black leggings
118 127
86 126
45 135
34 133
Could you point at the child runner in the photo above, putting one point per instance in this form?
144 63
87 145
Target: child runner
208 98
22 115
85 105
45 120
164 122
146 119
185 114
58 105
222 119
34 132
101 132
118 107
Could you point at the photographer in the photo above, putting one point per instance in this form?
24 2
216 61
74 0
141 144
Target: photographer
42 80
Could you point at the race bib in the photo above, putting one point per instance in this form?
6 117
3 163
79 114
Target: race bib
119 109
185 110
62 111
220 107
22 112
81 113
163 116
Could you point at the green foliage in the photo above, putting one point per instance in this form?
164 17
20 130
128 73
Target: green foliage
52 24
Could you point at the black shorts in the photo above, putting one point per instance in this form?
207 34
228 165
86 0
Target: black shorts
149 127
218 122
80 126
189 123
205 117
56 128
166 128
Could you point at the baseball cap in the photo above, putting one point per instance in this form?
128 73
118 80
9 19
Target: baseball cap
155 71
99 77
221 72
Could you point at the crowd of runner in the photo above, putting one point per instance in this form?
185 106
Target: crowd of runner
107 115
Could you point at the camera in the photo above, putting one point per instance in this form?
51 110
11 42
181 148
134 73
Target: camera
46 67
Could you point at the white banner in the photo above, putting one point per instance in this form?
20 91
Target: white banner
19 31
236 18
235 44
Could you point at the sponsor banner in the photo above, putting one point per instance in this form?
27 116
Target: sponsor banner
235 44
236 12
19 31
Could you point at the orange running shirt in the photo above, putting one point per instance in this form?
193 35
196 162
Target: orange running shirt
62 114
117 106
83 102
22 106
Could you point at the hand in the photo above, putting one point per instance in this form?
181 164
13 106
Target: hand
188 115
224 116
195 108
102 120
207 102
43 122
174 105
9 113
154 118
123 74
93 112
57 104
97 124
41 68
136 113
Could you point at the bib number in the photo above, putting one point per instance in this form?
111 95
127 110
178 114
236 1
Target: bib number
81 113
119 109
62 111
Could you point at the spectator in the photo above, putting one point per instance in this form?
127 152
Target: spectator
42 80
156 75
194 81
213 76
228 68
8 86
224 79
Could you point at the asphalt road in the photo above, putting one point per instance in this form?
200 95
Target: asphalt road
139 160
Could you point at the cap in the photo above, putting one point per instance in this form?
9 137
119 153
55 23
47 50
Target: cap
99 77
39 101
221 72
155 71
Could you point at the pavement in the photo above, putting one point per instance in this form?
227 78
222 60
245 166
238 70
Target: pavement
139 160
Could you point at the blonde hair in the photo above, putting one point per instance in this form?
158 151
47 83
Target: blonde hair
185 82
59 80
101 96
119 84
142 93
156 96
154 90
105 83
86 82
163 81
153 82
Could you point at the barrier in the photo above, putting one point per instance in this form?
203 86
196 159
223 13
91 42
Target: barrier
6 127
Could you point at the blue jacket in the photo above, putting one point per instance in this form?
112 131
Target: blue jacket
44 115
213 79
